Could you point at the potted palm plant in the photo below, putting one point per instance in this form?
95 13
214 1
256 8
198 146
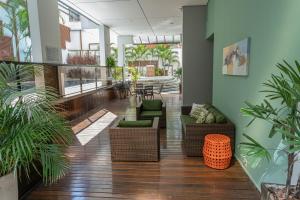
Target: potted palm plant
135 75
32 134
280 108
111 64
178 75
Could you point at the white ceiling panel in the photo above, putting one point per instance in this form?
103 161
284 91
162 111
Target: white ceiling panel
138 17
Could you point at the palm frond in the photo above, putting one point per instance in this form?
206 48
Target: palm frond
254 149
30 129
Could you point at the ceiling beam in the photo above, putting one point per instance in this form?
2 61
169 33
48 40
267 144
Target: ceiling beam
138 1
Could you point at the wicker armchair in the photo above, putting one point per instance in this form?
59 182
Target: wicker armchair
135 144
162 117
193 134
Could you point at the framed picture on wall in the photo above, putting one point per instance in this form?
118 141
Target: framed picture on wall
236 58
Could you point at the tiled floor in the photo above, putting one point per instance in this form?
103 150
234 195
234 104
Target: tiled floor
93 175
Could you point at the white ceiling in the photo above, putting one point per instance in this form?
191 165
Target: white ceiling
138 17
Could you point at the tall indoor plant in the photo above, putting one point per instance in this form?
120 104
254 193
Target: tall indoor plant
280 108
111 65
32 135
178 75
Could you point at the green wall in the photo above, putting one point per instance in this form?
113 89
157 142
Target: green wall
274 29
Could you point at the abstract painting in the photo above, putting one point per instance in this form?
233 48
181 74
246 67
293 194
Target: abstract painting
236 58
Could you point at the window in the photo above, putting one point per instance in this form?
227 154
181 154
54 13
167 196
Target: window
73 16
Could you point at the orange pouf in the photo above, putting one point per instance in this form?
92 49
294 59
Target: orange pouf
217 151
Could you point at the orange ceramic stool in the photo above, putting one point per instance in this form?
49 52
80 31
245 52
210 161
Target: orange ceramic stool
217 151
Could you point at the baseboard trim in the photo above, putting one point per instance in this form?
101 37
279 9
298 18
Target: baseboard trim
247 172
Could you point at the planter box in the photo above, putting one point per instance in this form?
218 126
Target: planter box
9 187
271 191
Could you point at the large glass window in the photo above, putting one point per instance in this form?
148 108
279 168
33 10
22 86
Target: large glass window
80 79
15 43
80 37
88 78
72 80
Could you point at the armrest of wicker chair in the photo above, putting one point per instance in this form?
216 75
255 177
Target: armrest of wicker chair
139 110
185 110
164 109
155 123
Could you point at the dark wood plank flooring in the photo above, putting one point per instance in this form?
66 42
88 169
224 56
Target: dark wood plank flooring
93 175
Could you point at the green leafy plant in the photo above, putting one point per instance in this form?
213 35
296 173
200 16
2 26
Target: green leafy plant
178 73
159 71
32 134
280 109
113 51
111 63
134 75
117 73
161 52
18 24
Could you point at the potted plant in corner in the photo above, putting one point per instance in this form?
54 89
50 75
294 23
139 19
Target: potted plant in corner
111 64
178 75
135 75
280 108
32 134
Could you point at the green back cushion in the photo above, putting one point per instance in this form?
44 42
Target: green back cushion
198 112
210 118
152 105
201 118
139 123
151 114
219 117
186 119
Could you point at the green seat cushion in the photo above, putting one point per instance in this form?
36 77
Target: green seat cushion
139 123
187 119
151 114
152 105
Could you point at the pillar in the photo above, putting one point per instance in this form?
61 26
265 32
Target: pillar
104 39
197 57
45 31
123 40
45 35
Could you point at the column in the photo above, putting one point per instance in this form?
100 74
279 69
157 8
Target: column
45 31
104 39
45 35
123 40
197 57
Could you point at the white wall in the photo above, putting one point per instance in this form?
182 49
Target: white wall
44 28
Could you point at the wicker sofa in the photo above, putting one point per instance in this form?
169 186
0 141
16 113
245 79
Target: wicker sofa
142 114
135 143
193 134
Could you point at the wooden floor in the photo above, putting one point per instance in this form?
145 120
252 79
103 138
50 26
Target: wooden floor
94 176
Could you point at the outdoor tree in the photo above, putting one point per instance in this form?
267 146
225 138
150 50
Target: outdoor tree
18 23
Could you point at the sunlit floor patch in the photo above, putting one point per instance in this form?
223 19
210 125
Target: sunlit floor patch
94 129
